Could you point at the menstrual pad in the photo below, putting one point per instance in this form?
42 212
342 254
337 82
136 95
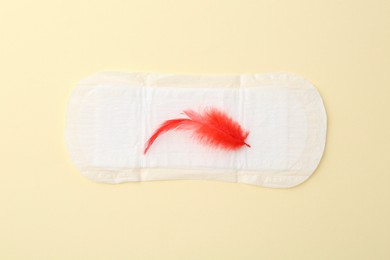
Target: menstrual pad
261 129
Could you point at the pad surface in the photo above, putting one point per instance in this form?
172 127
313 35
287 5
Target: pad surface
111 116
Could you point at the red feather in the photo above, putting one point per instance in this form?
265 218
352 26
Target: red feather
213 127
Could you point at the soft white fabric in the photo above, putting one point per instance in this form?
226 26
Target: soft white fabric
111 115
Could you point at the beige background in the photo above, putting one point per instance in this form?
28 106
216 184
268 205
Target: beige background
49 211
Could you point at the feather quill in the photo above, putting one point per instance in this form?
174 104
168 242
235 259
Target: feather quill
212 127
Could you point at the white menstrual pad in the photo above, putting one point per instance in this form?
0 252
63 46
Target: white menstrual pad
111 116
